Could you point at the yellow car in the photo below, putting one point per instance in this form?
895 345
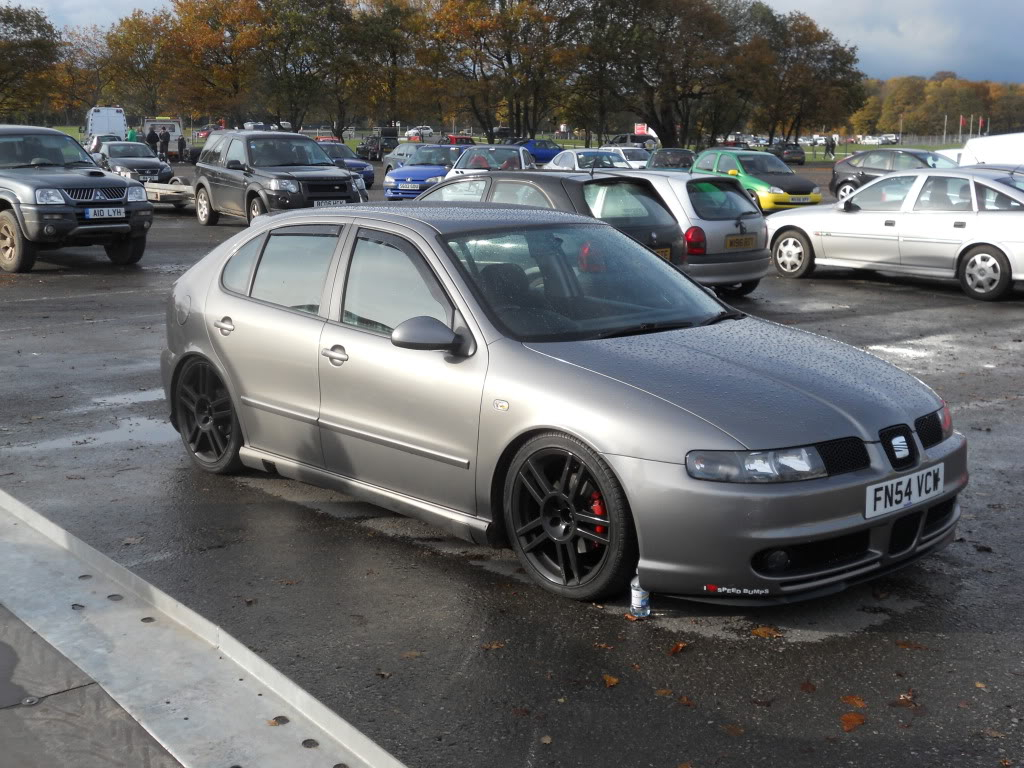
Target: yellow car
769 181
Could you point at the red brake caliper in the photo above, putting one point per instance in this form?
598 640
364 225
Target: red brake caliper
597 507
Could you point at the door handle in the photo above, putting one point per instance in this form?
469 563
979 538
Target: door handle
960 224
336 354
225 325
890 223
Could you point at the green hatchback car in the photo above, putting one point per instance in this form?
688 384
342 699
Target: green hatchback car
769 181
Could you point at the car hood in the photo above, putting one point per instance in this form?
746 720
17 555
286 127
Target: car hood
62 177
356 165
765 385
418 172
137 163
787 182
306 172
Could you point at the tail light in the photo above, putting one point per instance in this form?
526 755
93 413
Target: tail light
696 242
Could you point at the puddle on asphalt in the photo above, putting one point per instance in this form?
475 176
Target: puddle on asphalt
138 430
10 694
144 396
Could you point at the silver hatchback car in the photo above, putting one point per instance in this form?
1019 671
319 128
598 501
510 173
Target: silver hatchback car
539 379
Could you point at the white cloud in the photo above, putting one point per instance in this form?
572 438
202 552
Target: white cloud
74 13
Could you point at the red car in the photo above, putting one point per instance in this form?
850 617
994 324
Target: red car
206 130
455 138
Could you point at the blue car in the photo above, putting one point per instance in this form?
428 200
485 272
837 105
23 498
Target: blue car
543 151
344 157
425 168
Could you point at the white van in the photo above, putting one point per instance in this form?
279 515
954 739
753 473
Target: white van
109 121
173 126
1004 149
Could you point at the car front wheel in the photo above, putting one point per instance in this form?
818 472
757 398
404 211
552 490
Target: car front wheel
792 255
206 418
985 273
127 251
845 190
256 208
17 254
568 519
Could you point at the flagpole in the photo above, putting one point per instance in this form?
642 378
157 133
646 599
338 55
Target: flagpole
960 131
945 119
970 128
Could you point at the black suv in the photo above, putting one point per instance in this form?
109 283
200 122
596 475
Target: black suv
53 195
246 173
375 147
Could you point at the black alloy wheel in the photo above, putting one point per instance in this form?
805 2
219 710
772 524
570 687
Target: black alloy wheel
568 519
206 418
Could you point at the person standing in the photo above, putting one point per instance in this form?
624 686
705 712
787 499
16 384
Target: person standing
165 141
133 135
830 147
152 138
182 147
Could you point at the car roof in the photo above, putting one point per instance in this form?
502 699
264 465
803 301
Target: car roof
7 130
133 143
496 146
258 134
448 218
910 150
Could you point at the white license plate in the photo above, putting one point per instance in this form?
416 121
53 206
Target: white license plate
328 203
903 492
147 178
799 198
408 186
104 213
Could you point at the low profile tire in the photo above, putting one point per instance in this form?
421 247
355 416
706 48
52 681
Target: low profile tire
127 251
206 418
844 190
792 255
255 208
17 254
985 273
739 289
568 519
205 214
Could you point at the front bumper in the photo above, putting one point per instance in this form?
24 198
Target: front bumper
288 201
394 193
59 225
773 202
729 268
699 539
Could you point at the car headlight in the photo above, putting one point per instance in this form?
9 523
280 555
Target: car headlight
389 182
284 185
816 191
946 420
434 180
776 190
49 197
136 194
781 466
358 183
120 169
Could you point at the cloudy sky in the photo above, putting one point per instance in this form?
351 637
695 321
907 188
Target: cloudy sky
977 39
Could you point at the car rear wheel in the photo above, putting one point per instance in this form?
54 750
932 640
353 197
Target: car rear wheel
792 255
740 289
206 418
256 208
985 273
845 190
568 519
127 251
204 208
17 254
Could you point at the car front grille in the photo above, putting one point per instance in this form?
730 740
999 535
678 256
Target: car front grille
929 430
890 434
847 454
89 194
327 188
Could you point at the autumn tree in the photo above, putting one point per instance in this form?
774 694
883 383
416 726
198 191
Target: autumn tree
82 74
29 51
141 62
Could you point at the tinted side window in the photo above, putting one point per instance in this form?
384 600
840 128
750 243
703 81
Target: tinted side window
727 163
294 266
942 193
236 151
992 200
876 160
388 283
212 150
627 204
904 161
707 162
239 267
517 193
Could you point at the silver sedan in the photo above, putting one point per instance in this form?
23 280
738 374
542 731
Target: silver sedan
963 223
538 379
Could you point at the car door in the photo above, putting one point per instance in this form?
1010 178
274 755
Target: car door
706 163
265 323
469 190
233 179
942 217
400 419
867 229
873 165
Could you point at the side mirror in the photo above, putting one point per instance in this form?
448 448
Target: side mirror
734 172
339 162
847 205
235 165
97 157
426 333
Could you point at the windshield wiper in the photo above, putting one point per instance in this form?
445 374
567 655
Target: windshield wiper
723 315
636 330
79 162
33 165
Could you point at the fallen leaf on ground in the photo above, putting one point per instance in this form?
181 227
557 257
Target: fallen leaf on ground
411 654
288 582
1005 761
854 701
383 674
630 617
635 666
272 722
562 700
905 700
677 648
493 646
545 739
521 711
604 645
910 645
762 702
808 687
663 692
963 705
732 729
610 680
685 765
686 701
852 721
993 734
766 632
981 685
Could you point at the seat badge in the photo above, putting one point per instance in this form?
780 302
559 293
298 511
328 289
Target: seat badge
900 448
501 405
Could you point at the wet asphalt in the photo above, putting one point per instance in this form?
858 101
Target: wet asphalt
442 651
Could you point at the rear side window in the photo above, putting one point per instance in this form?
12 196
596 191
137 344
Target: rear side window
877 160
715 200
294 265
904 161
469 191
517 193
212 150
238 270
624 204
992 200
944 193
727 163
707 163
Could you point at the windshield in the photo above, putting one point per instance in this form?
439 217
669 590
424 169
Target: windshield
128 150
296 150
41 149
635 153
584 281
671 158
491 159
763 163
717 199
600 160
338 151
434 156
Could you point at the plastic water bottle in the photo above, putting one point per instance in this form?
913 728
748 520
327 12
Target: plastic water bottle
640 599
